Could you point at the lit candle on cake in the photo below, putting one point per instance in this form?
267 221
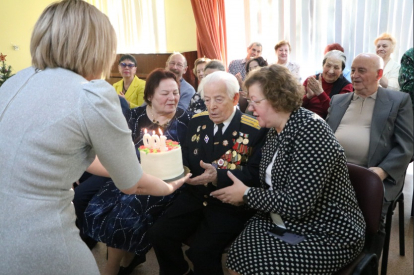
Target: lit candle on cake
163 139
155 140
147 139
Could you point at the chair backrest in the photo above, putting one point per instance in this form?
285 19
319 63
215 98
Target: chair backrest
369 191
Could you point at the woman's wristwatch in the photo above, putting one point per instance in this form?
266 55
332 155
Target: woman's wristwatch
245 195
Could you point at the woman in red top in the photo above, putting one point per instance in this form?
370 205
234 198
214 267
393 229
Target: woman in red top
319 90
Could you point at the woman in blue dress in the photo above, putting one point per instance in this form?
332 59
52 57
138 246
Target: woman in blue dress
119 220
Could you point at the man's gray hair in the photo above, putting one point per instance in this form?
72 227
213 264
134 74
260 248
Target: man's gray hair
337 55
232 85
255 43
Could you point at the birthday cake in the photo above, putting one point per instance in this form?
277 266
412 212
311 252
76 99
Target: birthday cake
165 163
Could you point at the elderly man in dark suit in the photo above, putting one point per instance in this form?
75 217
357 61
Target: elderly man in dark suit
219 140
375 127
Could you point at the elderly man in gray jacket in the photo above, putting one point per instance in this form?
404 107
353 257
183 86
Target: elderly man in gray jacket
375 127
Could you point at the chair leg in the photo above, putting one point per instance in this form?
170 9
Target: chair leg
401 224
385 250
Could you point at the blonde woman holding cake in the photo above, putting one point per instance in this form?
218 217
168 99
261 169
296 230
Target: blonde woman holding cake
66 117
119 220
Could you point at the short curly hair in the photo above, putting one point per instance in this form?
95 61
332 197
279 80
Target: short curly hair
279 87
282 43
386 36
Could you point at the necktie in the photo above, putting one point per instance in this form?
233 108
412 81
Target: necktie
219 134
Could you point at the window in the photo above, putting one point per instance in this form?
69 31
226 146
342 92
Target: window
139 24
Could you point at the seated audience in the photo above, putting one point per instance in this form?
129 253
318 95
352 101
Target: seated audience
177 64
336 46
305 193
406 75
228 140
119 220
385 44
282 50
197 104
199 65
375 127
130 87
320 88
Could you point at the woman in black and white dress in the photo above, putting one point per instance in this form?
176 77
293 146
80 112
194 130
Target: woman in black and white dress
305 191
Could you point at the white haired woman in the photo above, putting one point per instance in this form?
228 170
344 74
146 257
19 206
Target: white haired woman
67 116
321 87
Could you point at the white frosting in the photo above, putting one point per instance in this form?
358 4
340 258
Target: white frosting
163 165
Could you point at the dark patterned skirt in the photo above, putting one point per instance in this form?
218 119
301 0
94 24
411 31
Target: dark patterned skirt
257 252
121 221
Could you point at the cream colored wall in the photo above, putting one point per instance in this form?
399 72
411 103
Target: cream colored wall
19 16
181 27
16 24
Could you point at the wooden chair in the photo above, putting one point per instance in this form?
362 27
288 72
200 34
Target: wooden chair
369 192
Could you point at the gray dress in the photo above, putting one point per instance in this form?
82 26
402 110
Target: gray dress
52 124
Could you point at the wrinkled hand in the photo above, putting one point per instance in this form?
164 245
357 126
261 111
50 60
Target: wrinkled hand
178 183
209 175
315 85
232 194
379 171
243 94
309 93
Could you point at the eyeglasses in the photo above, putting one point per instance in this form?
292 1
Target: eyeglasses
124 65
254 102
179 65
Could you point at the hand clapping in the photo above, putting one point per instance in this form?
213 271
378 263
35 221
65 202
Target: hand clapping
314 87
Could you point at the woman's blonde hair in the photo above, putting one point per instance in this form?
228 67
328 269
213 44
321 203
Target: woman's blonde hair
74 35
386 36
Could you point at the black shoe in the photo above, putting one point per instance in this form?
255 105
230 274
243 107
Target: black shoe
135 262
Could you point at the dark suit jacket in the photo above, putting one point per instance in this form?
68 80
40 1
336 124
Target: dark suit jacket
221 217
391 136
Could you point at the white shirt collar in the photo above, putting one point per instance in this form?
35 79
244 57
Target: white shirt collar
227 121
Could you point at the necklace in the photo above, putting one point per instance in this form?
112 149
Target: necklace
123 88
155 121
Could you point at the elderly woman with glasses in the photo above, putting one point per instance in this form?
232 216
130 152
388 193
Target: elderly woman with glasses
321 87
130 87
308 220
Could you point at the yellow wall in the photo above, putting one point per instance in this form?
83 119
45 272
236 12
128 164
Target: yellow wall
181 27
19 16
16 24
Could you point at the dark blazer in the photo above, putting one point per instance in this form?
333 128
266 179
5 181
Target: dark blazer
391 136
198 146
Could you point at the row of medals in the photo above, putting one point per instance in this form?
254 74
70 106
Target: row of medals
232 159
